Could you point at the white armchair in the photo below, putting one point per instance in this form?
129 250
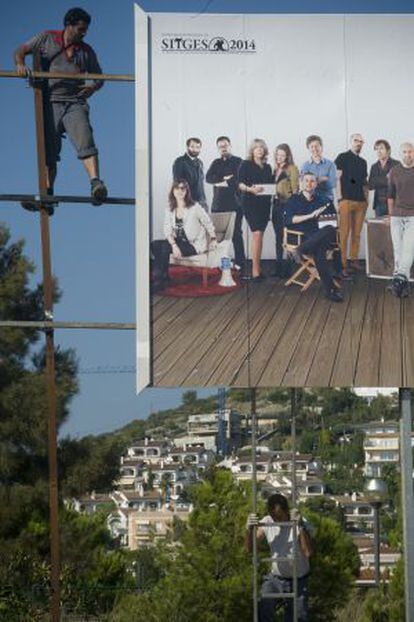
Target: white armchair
224 226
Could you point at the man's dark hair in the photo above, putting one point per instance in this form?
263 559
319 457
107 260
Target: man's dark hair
277 499
310 139
302 175
223 138
382 141
193 139
73 16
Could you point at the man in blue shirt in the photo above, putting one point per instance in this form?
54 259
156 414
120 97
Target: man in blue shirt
301 213
324 169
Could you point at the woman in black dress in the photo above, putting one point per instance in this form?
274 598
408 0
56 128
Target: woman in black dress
253 173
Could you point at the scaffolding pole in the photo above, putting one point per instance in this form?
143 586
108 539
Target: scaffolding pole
406 457
40 199
50 355
293 405
254 504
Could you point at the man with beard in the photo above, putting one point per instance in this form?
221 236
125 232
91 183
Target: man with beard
378 176
401 209
189 168
223 175
65 107
352 194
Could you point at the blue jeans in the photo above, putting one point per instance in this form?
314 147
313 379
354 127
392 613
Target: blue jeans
274 584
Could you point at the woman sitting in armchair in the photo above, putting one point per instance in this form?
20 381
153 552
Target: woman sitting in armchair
188 231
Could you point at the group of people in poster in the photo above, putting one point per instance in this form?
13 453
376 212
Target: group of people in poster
299 198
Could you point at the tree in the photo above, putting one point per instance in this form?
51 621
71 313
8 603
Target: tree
334 568
208 575
87 558
323 506
189 398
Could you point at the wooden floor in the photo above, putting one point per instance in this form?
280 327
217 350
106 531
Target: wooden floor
295 339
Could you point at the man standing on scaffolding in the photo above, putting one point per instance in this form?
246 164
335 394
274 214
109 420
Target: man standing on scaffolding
65 107
280 538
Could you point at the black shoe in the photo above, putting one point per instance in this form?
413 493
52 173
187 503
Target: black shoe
334 295
30 206
258 279
245 275
400 286
98 191
343 276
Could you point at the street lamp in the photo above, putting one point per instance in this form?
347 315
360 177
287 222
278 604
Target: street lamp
376 492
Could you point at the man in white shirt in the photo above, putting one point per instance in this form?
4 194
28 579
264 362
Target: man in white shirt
280 538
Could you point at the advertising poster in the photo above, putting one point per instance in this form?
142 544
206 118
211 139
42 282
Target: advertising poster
246 112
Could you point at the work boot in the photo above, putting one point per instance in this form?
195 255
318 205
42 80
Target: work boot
98 191
50 207
32 206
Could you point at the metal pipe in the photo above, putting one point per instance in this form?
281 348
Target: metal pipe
50 357
254 503
46 325
406 458
293 404
377 543
108 77
63 198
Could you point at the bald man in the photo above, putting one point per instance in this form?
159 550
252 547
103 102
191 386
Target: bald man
401 209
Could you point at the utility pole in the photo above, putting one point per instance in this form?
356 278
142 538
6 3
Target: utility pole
254 502
406 457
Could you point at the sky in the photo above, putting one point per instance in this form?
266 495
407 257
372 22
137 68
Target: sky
93 249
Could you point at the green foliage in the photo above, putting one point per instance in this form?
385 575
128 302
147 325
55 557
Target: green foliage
308 442
189 398
279 396
323 506
386 604
341 480
87 558
334 567
208 575
90 463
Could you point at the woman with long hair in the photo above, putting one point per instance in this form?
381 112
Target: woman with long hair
254 172
286 177
186 226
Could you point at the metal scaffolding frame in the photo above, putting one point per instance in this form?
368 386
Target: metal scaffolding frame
42 199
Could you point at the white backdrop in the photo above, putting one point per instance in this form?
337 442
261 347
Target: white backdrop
310 74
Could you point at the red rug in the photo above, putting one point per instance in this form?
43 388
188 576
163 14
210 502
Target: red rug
187 282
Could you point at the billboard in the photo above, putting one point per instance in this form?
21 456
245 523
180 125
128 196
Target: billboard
277 80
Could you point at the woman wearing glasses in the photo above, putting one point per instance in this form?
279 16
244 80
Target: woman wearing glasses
186 226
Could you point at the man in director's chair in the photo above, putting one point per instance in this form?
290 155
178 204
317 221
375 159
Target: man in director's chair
314 241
